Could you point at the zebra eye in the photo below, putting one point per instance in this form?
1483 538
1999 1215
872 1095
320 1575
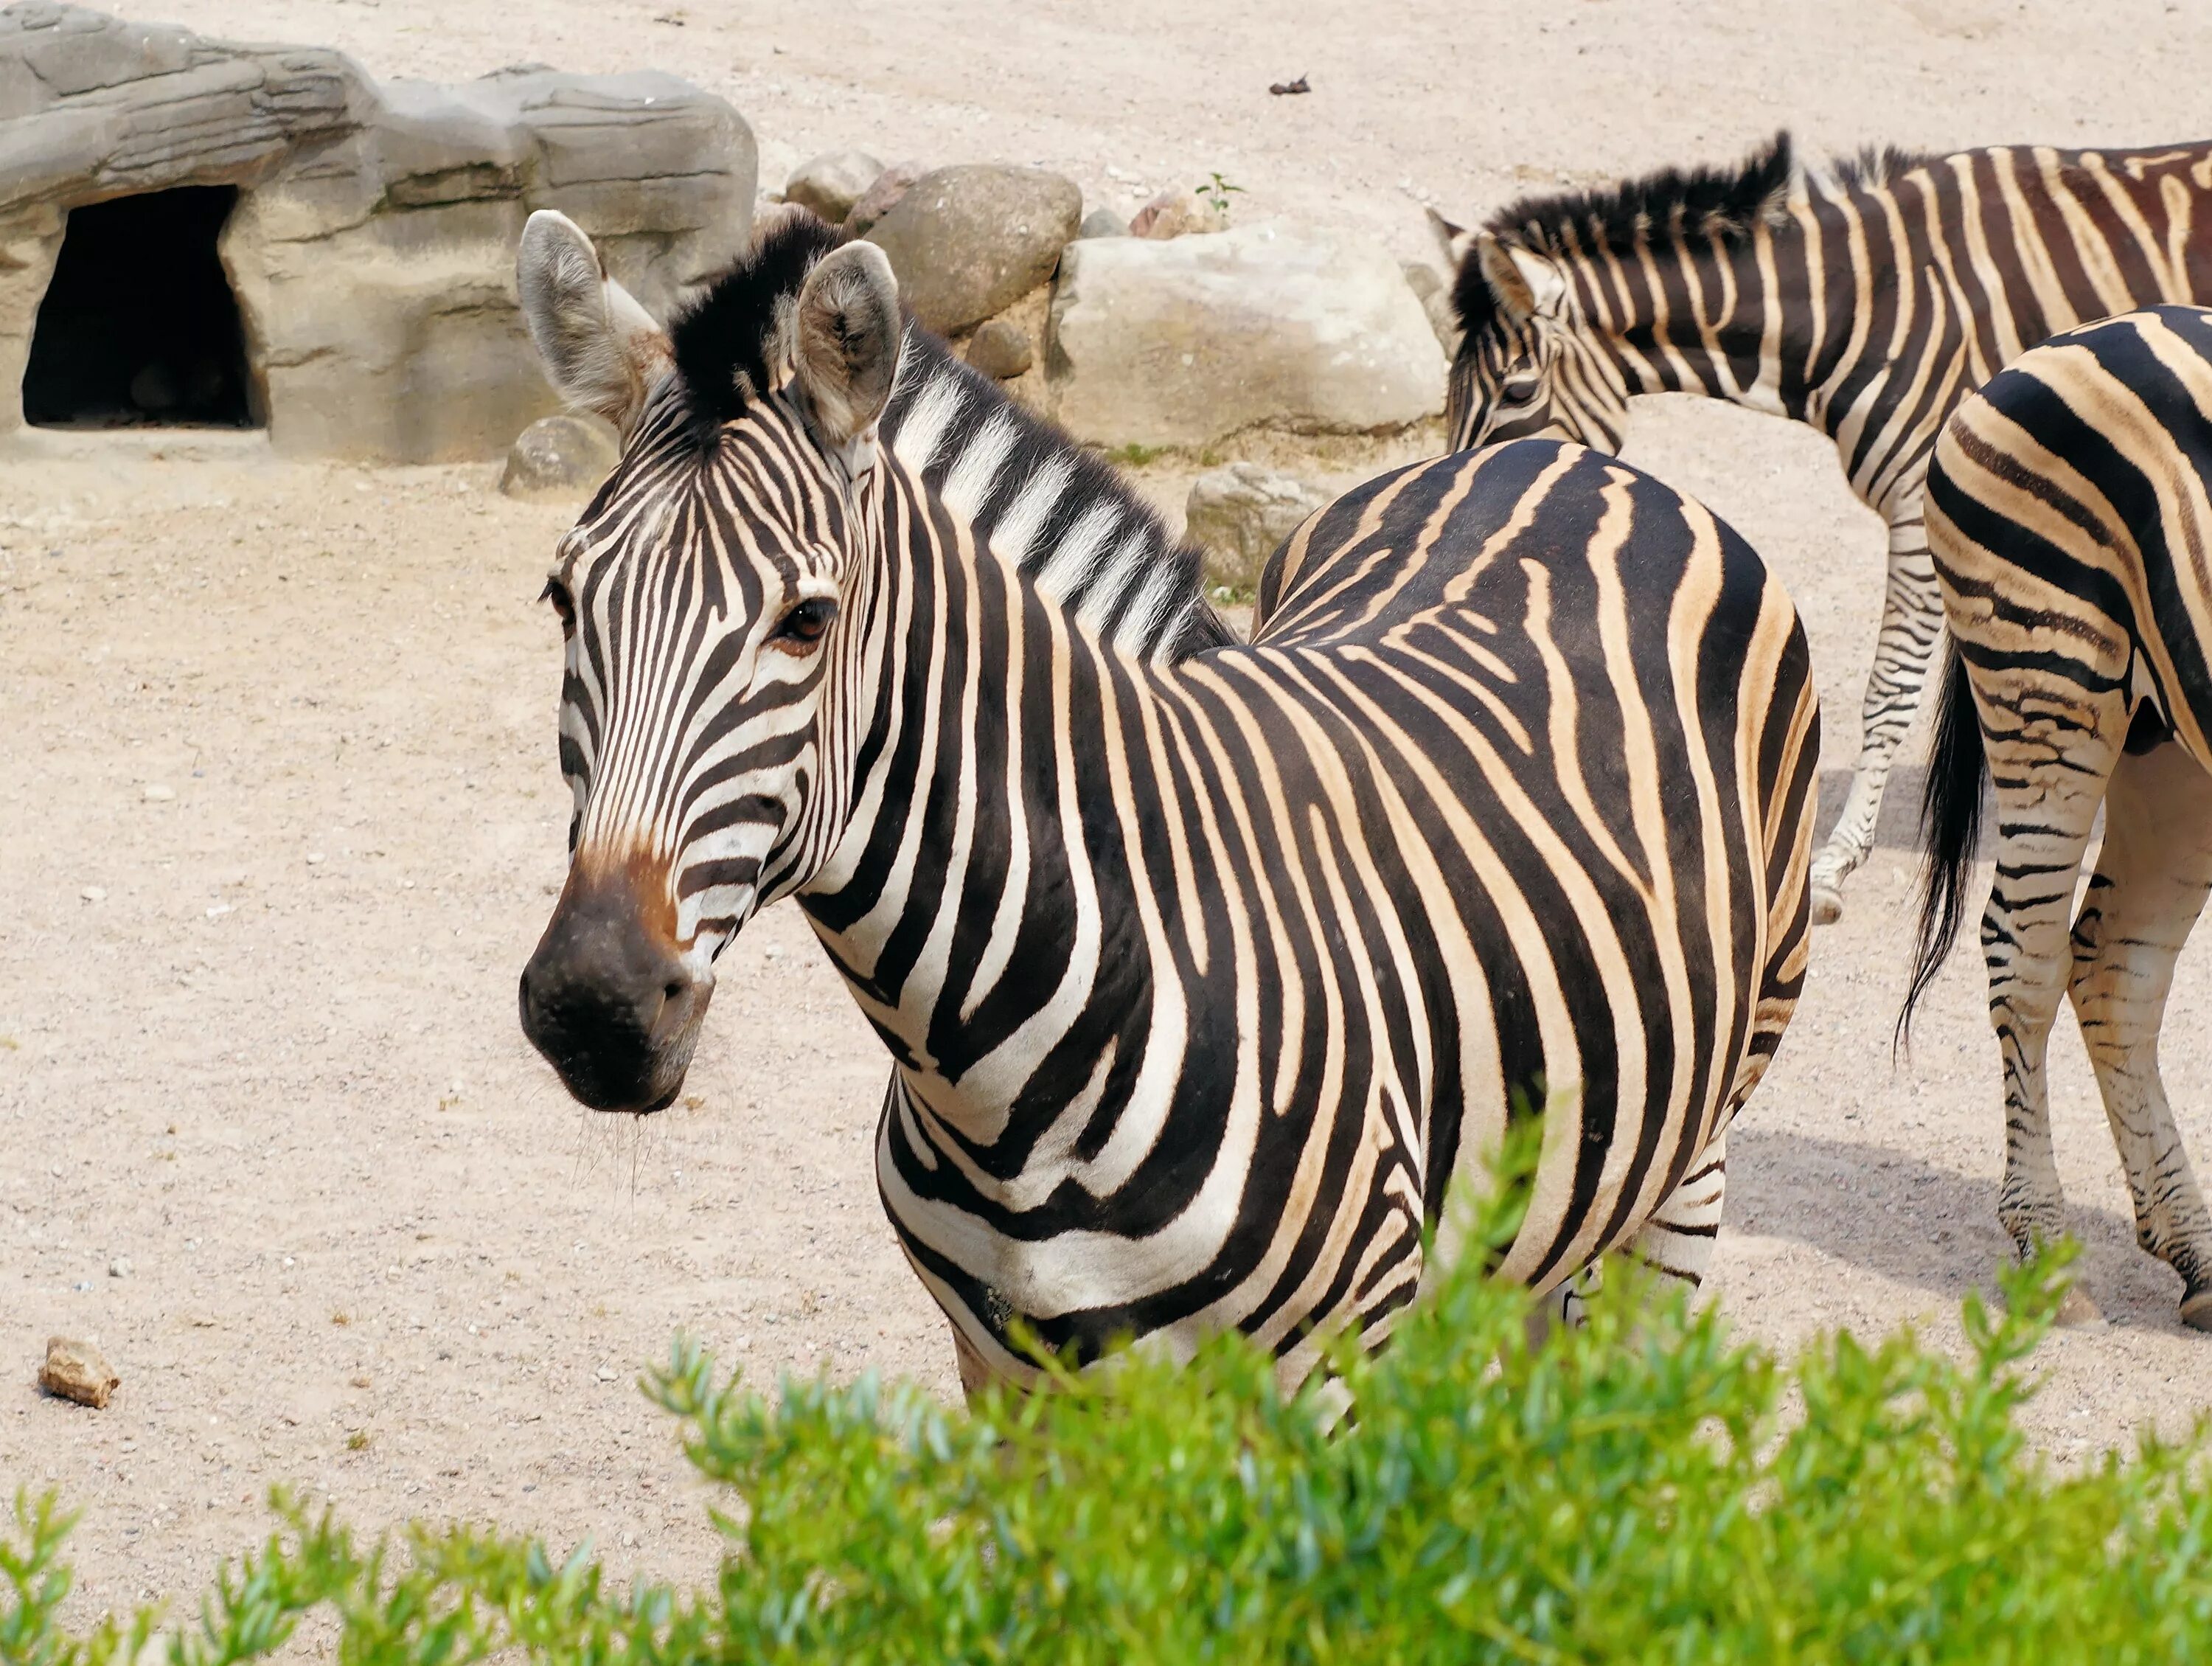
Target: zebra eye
563 604
1519 393
805 624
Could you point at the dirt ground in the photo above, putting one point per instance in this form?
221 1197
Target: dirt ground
280 818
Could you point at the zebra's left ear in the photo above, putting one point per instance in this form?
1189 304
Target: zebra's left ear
845 350
1524 282
1453 241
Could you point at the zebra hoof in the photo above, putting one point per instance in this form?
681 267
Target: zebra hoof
2197 1309
1827 903
2078 1312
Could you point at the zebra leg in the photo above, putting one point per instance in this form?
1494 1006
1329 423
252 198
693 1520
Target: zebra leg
1677 1240
2151 880
1911 620
2049 774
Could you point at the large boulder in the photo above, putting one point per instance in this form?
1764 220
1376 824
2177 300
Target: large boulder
968 242
1239 514
1185 342
370 250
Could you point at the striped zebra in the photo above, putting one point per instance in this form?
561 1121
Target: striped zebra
2069 508
1205 968
1865 298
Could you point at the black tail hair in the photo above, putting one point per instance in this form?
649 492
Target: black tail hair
1950 831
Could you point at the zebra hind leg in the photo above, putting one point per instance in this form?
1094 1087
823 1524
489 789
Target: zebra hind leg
1911 620
2049 771
2151 881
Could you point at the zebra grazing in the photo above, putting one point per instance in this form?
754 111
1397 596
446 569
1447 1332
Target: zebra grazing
1865 297
1205 967
2069 508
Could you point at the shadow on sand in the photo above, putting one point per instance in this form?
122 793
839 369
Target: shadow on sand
1911 1222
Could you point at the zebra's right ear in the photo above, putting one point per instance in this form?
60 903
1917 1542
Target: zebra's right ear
845 349
601 351
1524 282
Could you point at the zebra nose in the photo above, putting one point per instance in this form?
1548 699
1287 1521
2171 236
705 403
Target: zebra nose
610 1003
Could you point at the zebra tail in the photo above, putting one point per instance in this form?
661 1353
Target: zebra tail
1951 831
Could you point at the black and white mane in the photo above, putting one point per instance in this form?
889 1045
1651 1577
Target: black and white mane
1058 512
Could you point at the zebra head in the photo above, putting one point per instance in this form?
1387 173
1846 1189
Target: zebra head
703 597
1524 368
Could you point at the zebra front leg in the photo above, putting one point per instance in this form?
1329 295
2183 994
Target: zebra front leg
2050 780
1912 619
2151 880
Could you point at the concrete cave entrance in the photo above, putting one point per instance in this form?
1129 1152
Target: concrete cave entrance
139 325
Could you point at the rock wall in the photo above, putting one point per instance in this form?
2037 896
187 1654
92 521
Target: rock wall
372 248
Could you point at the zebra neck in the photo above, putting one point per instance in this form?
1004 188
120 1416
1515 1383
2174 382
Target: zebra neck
1738 320
988 902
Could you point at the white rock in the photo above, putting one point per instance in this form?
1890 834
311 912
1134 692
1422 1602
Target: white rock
1182 342
1238 514
156 794
831 183
94 893
119 1267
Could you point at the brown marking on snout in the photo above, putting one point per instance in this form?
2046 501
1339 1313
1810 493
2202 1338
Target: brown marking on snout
607 998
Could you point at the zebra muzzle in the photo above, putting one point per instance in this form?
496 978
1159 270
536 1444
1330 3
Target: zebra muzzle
608 998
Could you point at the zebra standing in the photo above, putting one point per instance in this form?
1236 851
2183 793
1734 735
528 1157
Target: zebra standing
1865 298
2070 507
1205 968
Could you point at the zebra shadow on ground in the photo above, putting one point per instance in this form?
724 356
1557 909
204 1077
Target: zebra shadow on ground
1933 1228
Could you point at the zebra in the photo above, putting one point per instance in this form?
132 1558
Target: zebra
1205 967
1865 297
2070 505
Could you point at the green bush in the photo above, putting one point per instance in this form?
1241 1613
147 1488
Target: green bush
1638 1489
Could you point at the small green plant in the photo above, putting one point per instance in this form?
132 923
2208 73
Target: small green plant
1217 191
1135 456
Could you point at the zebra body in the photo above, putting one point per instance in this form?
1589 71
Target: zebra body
1864 298
2070 507
1205 967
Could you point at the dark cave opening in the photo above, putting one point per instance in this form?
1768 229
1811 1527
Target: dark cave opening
139 327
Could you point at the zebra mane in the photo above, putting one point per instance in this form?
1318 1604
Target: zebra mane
724 340
1727 203
1702 202
1059 514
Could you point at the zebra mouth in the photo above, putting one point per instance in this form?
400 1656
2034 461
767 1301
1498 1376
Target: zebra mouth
610 1003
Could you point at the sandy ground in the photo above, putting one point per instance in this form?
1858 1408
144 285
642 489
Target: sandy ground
279 818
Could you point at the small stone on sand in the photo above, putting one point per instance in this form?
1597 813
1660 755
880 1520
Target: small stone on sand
77 1370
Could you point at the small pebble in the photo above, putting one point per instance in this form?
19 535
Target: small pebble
93 893
607 1374
119 1267
83 1285
157 794
314 857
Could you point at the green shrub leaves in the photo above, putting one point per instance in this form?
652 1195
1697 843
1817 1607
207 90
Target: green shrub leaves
1639 1489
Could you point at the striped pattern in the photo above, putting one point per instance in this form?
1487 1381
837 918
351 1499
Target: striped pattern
2070 507
1865 299
1205 968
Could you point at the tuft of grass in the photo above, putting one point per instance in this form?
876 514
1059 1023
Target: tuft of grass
1135 456
357 1441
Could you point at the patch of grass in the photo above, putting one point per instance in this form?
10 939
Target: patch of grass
357 1441
341 1317
1135 456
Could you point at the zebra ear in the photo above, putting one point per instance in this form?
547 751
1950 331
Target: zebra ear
1453 241
1524 282
845 349
601 351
